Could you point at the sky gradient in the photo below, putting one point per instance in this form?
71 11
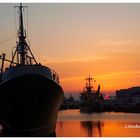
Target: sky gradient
76 40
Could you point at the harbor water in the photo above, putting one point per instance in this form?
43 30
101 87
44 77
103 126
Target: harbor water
72 123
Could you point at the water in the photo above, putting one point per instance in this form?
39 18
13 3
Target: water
72 123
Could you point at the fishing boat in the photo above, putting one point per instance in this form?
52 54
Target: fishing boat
30 93
91 100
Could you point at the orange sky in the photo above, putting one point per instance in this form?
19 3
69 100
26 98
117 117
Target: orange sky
118 70
76 40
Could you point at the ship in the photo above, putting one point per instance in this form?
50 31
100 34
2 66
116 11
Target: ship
91 100
30 93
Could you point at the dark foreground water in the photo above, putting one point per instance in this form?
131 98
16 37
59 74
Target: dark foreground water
72 123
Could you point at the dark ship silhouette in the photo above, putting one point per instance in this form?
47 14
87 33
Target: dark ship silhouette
90 100
30 94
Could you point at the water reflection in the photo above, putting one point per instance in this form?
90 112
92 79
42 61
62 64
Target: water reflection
92 128
97 129
87 126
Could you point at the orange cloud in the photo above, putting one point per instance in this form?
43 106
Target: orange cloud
112 71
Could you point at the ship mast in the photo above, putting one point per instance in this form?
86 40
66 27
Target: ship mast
88 84
23 52
89 79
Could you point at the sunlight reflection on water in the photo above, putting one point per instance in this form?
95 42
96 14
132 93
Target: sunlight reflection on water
72 123
75 115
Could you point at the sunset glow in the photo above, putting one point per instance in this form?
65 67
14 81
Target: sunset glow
77 40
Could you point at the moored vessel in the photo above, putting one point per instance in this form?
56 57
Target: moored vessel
30 93
90 100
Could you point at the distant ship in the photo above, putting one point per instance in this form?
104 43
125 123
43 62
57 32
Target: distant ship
30 93
90 100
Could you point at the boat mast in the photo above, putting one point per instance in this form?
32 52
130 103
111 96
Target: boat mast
23 52
89 79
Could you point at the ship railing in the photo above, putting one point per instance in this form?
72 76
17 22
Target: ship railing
55 76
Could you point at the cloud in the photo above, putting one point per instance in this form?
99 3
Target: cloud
119 75
109 42
113 75
72 78
46 60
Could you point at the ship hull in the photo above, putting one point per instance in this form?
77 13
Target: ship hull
29 105
91 108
